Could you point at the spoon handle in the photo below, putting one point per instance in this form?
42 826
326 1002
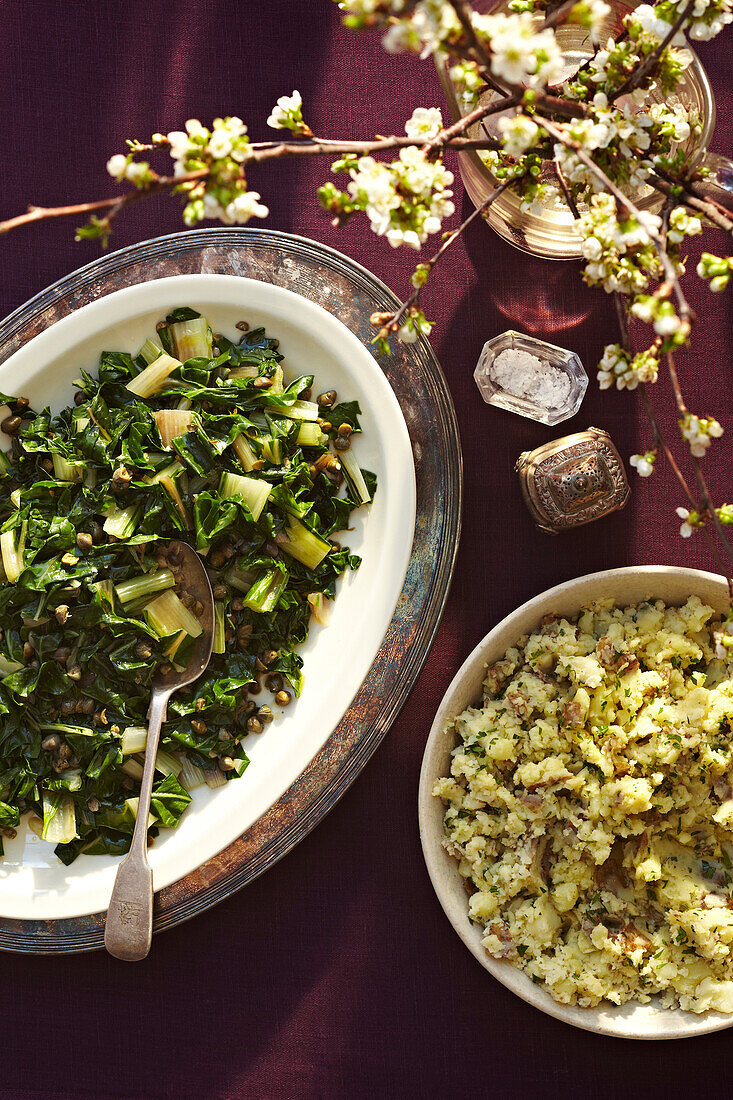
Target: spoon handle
128 928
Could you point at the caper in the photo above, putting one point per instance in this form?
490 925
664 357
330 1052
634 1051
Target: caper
283 698
28 652
254 725
93 804
198 726
121 479
264 713
226 764
21 404
51 743
61 613
143 651
219 592
274 682
74 673
217 559
342 443
324 425
62 654
262 382
84 540
269 657
11 425
327 399
68 707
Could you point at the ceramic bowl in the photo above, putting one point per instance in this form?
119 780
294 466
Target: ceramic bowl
625 586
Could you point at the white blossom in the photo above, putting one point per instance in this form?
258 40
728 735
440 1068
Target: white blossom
519 133
649 21
407 200
673 118
286 110
618 367
415 324
426 123
700 432
521 51
179 144
642 465
598 13
220 144
136 171
244 206
626 250
686 529
681 225
117 166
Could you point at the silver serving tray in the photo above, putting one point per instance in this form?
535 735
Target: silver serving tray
352 294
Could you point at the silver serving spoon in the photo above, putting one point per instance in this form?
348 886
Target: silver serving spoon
128 928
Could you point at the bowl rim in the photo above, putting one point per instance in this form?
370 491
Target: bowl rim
604 1019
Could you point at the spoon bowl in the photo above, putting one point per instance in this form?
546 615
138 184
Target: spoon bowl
128 928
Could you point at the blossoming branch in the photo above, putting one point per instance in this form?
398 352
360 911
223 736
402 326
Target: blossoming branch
602 132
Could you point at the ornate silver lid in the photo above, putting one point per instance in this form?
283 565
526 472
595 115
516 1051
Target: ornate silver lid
573 480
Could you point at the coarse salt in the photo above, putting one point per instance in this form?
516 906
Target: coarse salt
524 375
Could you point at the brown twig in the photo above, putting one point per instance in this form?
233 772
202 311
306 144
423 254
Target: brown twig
445 137
482 58
390 323
113 205
559 15
670 271
636 77
476 50
662 443
709 207
275 150
702 483
565 189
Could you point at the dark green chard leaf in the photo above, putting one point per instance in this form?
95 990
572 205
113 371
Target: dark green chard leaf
168 801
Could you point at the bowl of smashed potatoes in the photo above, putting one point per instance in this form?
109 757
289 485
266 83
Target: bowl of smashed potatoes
576 803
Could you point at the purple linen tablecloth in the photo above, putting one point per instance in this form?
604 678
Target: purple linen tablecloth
336 974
